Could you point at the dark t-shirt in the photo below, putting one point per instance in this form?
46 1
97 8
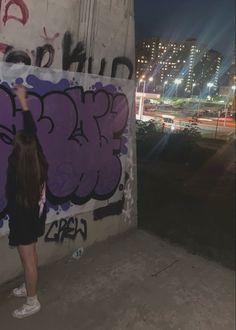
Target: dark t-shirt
25 223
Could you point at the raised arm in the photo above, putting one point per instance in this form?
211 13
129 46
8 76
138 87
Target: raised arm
28 121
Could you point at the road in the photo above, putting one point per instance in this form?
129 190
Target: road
209 127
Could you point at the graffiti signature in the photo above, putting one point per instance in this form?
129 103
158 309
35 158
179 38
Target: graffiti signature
66 229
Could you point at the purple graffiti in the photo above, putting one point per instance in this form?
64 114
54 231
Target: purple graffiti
40 87
81 133
109 88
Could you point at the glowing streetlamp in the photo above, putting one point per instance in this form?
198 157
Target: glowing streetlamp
210 85
141 103
177 83
164 85
144 84
151 79
193 85
233 96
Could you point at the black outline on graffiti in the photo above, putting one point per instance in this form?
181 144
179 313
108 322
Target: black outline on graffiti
72 53
117 136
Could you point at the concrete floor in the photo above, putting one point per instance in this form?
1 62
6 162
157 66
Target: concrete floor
135 282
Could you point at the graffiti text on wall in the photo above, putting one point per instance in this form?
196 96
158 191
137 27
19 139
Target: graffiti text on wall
7 5
43 56
66 229
81 133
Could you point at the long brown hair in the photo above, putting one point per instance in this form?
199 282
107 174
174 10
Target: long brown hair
29 167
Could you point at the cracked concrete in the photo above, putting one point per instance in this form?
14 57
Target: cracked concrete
136 282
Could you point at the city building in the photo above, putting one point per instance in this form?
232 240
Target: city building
228 86
146 57
186 65
207 70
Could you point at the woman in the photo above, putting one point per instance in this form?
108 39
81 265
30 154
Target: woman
25 191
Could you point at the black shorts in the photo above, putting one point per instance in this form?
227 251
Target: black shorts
25 225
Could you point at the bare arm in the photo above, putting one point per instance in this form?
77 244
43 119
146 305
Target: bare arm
21 93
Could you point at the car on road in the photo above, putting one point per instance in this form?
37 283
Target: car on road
168 121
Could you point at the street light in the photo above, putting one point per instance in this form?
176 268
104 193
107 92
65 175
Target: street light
151 79
210 85
141 103
164 85
144 84
233 97
193 85
177 83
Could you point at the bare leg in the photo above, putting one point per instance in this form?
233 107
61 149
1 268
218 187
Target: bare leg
28 257
35 256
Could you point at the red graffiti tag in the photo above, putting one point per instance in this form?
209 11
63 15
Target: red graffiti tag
0 5
47 38
3 47
23 8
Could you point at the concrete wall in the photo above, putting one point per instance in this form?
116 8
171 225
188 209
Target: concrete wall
89 36
46 33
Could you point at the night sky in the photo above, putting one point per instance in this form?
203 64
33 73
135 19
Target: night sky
212 22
